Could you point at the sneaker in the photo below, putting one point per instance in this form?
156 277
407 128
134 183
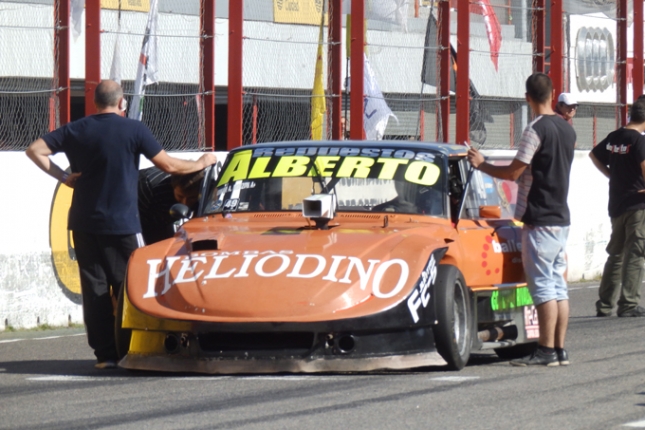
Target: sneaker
107 364
537 358
602 314
638 311
563 356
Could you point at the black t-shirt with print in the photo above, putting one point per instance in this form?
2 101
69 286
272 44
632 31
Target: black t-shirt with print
623 151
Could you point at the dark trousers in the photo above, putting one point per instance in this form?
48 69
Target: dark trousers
623 272
102 261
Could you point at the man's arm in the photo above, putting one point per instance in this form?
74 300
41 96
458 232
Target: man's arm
174 165
603 168
39 153
510 172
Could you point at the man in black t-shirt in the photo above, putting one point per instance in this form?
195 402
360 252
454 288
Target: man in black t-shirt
621 157
158 191
542 167
103 151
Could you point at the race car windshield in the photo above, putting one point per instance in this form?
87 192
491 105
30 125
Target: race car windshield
375 180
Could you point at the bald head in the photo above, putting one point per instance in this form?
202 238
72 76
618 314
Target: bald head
107 94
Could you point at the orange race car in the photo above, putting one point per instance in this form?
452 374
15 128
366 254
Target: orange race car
332 256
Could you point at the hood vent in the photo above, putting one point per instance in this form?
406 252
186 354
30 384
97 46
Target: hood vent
204 245
278 215
360 216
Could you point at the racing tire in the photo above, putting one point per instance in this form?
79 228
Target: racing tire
516 351
122 335
453 331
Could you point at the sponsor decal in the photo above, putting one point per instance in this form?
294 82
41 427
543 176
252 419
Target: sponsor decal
595 59
499 247
503 300
377 163
134 5
506 247
531 323
420 296
62 245
298 11
163 274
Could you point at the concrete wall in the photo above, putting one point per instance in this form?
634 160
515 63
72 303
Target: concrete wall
38 278
39 281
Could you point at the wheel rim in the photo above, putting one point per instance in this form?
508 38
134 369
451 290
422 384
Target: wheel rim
460 316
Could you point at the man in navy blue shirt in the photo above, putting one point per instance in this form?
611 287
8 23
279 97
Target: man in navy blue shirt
103 151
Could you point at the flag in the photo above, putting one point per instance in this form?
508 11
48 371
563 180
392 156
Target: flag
392 11
77 17
493 29
147 68
376 112
318 102
115 69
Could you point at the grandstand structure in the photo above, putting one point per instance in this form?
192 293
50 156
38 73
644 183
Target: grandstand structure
226 73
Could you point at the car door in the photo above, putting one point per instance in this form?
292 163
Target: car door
490 237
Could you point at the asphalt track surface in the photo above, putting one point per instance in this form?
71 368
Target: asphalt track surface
47 381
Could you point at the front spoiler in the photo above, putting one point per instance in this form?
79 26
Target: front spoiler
165 363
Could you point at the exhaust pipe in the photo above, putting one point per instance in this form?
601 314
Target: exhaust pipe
172 343
498 333
345 344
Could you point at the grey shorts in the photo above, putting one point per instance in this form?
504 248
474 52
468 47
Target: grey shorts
544 261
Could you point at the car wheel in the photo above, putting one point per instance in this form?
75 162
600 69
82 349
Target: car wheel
454 329
122 335
516 351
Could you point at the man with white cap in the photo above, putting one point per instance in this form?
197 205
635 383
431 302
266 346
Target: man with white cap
566 107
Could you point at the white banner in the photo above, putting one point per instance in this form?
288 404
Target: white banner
376 112
392 11
77 17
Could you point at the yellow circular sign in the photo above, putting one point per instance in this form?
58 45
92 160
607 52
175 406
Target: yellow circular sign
62 244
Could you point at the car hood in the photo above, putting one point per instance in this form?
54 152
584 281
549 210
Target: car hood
254 273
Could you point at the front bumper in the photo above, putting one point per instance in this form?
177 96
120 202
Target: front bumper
218 352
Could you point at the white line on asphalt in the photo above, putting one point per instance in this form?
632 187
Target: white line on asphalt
67 378
454 378
41 338
58 337
635 424
198 378
259 377
590 287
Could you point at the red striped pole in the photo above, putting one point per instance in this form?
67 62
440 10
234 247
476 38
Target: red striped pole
92 52
235 89
207 40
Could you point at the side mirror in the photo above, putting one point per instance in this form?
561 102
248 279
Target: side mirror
490 212
179 211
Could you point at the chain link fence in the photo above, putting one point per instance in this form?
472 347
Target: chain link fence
279 68
28 82
172 106
280 55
